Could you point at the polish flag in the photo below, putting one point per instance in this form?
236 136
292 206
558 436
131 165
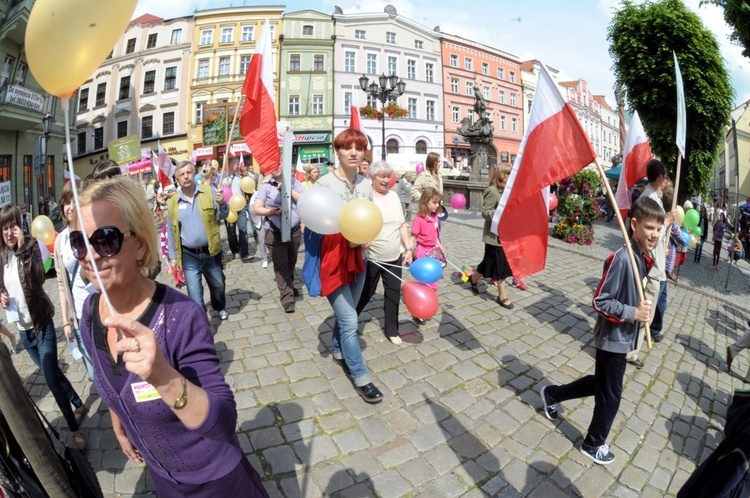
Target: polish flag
166 168
299 171
355 123
258 120
554 147
66 176
637 154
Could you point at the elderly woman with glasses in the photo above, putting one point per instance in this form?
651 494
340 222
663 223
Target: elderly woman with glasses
155 362
21 291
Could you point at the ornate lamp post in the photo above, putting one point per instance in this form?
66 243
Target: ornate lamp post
390 89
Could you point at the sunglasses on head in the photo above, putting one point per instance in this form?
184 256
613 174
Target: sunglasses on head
106 241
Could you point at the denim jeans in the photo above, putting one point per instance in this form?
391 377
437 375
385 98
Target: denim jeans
345 341
194 265
86 358
241 224
42 348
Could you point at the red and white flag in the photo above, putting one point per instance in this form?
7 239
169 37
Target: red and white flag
165 169
555 146
299 171
637 153
355 123
66 176
258 120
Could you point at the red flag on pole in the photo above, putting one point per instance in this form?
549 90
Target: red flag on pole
637 153
554 147
166 168
258 120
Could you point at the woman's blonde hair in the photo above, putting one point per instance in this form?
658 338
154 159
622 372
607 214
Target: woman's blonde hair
500 176
428 194
308 169
127 196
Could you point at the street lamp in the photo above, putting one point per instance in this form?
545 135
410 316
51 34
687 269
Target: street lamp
389 89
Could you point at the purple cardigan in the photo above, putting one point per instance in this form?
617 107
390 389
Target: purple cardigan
170 449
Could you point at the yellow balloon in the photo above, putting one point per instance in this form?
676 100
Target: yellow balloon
47 237
67 40
360 221
40 226
237 203
247 184
215 164
679 215
693 240
232 217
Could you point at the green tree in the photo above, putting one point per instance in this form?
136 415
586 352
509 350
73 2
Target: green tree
642 39
736 15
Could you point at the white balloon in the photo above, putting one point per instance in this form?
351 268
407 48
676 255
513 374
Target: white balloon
688 205
319 209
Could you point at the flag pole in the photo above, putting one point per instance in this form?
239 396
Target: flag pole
229 141
677 180
623 229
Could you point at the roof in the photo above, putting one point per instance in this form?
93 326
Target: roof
146 19
569 84
602 102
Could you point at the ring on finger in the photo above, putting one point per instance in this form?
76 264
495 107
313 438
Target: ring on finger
137 346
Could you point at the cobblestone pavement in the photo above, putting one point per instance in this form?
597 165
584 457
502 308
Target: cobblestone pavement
461 410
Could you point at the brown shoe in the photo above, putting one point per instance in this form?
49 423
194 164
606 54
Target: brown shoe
80 441
80 412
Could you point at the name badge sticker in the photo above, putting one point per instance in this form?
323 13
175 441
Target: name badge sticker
143 391
182 206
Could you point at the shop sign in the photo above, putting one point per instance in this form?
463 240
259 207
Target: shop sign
23 97
125 149
306 138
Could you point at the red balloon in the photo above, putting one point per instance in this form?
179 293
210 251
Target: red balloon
552 202
51 248
421 301
392 181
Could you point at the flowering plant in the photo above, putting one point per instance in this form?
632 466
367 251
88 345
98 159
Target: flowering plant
577 207
392 110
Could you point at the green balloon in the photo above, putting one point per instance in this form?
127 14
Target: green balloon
697 231
691 218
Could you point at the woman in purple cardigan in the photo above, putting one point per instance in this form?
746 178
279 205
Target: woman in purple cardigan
154 359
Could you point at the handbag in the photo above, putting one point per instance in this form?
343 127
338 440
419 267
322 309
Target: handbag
437 253
17 478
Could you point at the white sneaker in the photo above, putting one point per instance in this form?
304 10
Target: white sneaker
265 264
223 314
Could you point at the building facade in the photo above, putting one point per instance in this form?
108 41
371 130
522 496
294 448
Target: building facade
306 83
610 132
731 182
139 91
497 75
375 44
587 109
222 45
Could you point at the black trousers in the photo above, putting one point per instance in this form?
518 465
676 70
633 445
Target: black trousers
391 292
606 387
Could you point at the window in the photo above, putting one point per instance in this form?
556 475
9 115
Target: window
247 33
101 92
176 37
149 82
372 63
501 96
470 114
514 125
227 34
512 76
486 91
130 47
317 105
391 146
420 147
429 72
392 65
151 41
412 107
122 129
318 62
199 112
528 104
390 37
456 114
207 37
502 123
81 142
167 124
418 43
244 63
83 100
124 87
372 101
349 62
7 66
513 99
273 32
468 64
307 30
5 169
21 72
294 105
98 138
170 78
348 103
430 108
485 68
223 66
147 127
294 62
454 85
469 88
203 68
411 69
500 73
454 60
359 33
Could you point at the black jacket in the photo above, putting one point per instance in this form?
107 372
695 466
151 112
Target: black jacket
31 274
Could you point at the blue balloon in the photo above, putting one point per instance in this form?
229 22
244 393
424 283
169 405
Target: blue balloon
426 270
686 237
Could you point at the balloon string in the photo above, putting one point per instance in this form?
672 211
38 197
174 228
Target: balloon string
390 264
66 110
386 269
454 266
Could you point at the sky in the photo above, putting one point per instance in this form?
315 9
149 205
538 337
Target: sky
569 36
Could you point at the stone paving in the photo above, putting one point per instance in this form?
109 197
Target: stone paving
461 410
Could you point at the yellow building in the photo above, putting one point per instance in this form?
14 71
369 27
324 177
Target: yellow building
732 175
223 43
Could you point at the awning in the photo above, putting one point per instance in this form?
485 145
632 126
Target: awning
613 173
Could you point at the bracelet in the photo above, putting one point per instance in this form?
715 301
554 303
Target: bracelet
66 324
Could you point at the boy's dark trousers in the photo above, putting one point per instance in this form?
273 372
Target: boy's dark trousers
699 250
606 387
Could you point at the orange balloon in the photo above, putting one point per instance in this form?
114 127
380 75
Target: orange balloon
420 300
51 248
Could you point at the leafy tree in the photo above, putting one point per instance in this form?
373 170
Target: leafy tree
642 39
736 15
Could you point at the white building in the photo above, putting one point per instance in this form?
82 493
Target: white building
609 144
386 43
